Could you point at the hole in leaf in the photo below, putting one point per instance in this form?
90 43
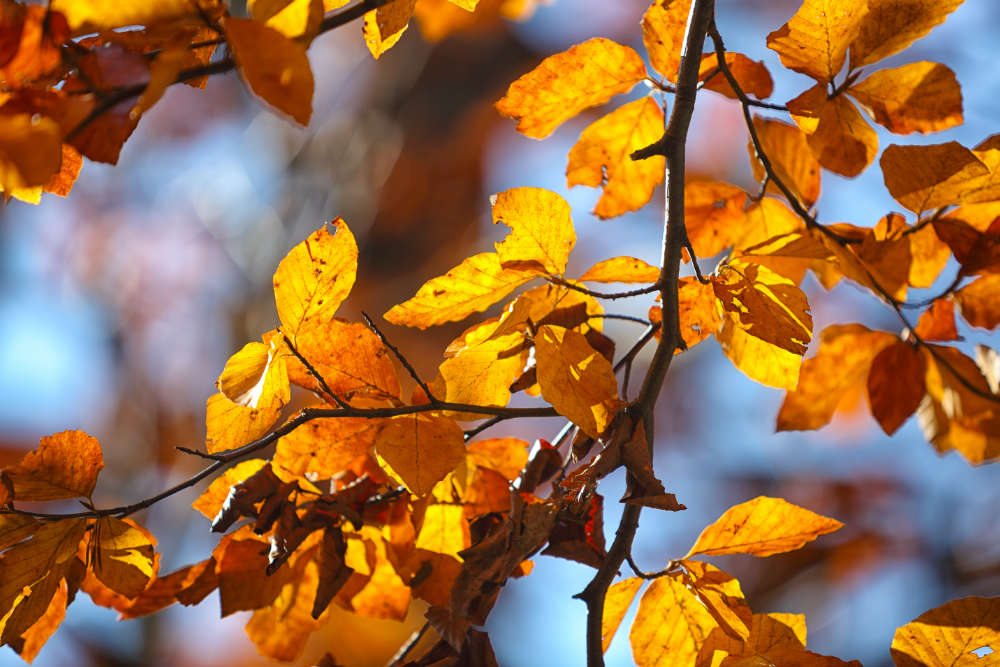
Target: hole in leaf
982 651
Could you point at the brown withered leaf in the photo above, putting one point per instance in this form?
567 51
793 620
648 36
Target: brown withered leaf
895 384
578 533
241 567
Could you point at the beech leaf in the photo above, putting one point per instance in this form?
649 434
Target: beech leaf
65 465
421 449
948 634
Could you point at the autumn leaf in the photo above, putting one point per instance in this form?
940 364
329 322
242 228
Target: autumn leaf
713 215
919 97
444 530
721 594
94 15
787 147
815 40
757 359
698 311
292 18
122 555
576 379
280 630
938 322
663 34
482 374
601 158
214 497
30 151
621 270
541 235
671 625
566 83
895 384
752 76
617 601
949 634
837 135
977 301
274 67
255 377
844 358
420 449
384 26
315 277
890 26
762 527
325 447
230 425
65 465
922 178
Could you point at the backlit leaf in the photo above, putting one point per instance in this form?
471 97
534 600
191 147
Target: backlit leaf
566 83
65 465
713 215
922 178
122 556
895 384
752 76
292 18
938 321
384 26
212 499
616 603
671 625
721 594
274 67
757 359
621 270
788 149
315 277
762 527
245 378
444 530
948 635
844 358
230 425
663 34
815 40
325 447
482 374
601 158
30 151
421 449
93 15
892 25
39 633
576 379
541 236
978 302
838 136
280 630
919 97
698 310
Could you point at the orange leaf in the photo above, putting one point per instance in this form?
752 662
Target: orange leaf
255 378
420 449
315 277
280 630
541 235
837 135
122 555
699 314
384 26
273 66
764 304
576 379
895 384
919 97
482 374
938 322
36 636
928 256
757 359
616 603
788 149
30 151
713 215
762 527
892 25
721 594
765 220
384 595
671 625
922 178
815 40
86 16
946 635
601 158
241 560
474 285
663 27
978 301
566 83
230 425
65 465
752 76
212 499
843 360
444 530
621 270
325 447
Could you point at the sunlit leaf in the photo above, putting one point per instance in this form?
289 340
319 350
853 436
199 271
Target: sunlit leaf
325 447
122 555
482 374
93 15
788 149
762 527
922 178
30 151
292 18
444 530
752 76
919 97
892 25
616 603
280 630
757 359
978 302
713 215
384 26
621 270
421 449
938 322
65 465
895 384
541 236
838 136
671 625
663 34
566 83
948 635
721 594
815 40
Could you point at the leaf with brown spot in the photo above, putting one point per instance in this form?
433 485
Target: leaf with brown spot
663 27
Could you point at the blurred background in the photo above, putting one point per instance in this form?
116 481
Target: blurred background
120 304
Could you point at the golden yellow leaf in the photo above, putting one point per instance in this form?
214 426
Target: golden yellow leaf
230 425
162 74
892 25
698 309
752 76
843 360
325 447
601 158
315 277
482 374
576 379
671 625
292 18
566 83
65 465
758 360
274 67
444 530
769 631
721 594
252 377
895 384
946 636
881 261
616 603
838 136
713 215
474 285
815 40
86 16
122 555
765 304
621 270
30 151
928 256
541 235
919 97
762 527
978 302
764 220
420 449
211 500
280 630
507 456
922 178
384 26
788 149
663 27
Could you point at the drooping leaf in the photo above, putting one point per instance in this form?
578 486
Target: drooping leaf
576 379
275 67
616 604
815 40
566 83
978 303
757 359
762 527
671 625
837 135
844 358
421 449
663 34
892 25
938 322
601 158
895 384
788 149
713 215
122 555
65 465
919 97
922 178
541 236
621 270
948 635
384 26
977 252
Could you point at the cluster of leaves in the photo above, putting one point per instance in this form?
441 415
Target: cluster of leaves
375 497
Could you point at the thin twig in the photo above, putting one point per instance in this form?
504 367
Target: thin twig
671 566
649 289
402 359
313 372
493 421
404 650
623 318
